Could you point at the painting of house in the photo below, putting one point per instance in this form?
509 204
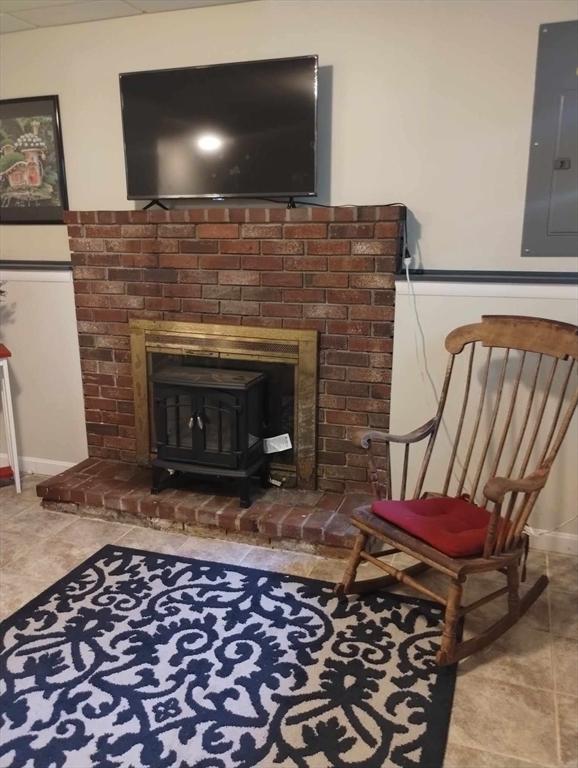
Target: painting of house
31 168
23 163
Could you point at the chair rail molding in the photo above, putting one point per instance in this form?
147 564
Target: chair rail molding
34 275
491 290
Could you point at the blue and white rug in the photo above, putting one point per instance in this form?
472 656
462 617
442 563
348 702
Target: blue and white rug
137 659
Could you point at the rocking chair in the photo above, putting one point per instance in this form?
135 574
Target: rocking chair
526 400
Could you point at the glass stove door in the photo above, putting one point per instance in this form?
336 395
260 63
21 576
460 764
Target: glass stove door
174 409
216 432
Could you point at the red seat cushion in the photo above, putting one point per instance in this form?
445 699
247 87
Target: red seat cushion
455 527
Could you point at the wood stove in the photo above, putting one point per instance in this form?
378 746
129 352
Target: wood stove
209 422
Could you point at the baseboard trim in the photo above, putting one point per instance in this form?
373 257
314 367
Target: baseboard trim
36 466
556 541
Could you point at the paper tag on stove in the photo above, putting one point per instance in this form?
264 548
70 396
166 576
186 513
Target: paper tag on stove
276 444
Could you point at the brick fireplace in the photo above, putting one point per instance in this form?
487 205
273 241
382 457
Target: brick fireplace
324 269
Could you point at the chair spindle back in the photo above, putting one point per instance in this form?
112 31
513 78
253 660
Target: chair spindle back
510 411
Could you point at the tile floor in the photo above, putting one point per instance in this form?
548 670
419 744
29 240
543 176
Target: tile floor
516 704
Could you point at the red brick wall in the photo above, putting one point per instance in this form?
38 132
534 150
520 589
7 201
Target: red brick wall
330 269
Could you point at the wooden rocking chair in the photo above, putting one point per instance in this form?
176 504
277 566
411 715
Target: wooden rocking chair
526 400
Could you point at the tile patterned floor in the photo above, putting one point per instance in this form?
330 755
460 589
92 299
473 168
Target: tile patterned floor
516 704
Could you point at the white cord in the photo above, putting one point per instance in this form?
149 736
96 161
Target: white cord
424 370
418 327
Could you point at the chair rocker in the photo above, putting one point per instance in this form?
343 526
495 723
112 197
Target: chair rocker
525 371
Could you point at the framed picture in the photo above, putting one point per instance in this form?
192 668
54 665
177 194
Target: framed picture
32 177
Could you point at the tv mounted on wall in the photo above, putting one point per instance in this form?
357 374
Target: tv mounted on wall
229 130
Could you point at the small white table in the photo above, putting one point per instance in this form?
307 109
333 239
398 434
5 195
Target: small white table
8 413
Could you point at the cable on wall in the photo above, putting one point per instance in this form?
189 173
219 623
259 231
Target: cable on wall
422 364
426 378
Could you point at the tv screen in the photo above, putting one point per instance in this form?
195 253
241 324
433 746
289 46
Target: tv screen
230 130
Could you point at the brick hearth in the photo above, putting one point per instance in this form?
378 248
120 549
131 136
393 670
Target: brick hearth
318 520
328 269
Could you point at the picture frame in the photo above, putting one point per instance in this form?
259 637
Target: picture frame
32 173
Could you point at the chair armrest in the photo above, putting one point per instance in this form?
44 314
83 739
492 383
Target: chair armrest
497 487
362 438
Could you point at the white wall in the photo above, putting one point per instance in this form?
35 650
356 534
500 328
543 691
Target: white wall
431 101
25 243
431 105
442 307
38 326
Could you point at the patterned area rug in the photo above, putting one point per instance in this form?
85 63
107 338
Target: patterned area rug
140 659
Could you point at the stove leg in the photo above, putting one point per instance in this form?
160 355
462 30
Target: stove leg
264 476
245 492
161 479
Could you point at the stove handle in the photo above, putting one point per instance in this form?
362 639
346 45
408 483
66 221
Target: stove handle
197 421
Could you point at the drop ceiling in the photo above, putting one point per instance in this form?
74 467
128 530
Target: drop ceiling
20 15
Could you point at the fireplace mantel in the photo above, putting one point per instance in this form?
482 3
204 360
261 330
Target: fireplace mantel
329 270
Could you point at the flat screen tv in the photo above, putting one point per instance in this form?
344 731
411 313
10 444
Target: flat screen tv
229 130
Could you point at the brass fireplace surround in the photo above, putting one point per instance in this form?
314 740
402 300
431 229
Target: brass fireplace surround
271 345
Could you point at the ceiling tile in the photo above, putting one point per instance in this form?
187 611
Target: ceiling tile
12 24
18 15
156 6
75 13
14 6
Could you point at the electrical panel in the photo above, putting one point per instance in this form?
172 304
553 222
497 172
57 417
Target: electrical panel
551 213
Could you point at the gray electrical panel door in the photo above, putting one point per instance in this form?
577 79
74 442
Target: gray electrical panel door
551 214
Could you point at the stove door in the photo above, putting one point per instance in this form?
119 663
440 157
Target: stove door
197 426
174 408
215 432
